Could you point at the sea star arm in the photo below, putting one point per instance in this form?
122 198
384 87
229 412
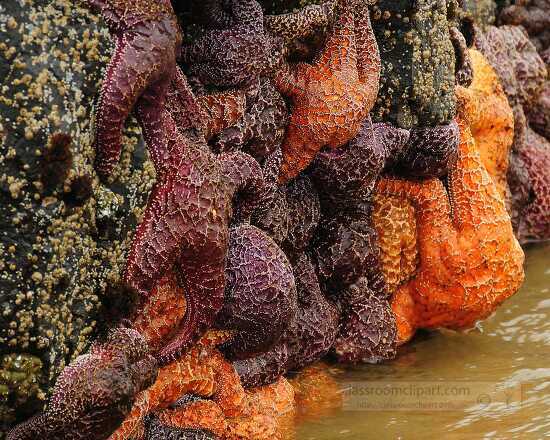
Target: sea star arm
430 151
131 71
260 292
246 177
93 394
368 331
368 55
340 51
302 23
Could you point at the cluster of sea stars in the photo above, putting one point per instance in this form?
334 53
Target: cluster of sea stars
280 227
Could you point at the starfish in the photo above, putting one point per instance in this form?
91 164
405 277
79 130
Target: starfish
188 213
239 53
292 216
533 15
268 409
147 42
260 296
395 223
470 261
261 130
490 119
331 97
534 219
204 372
463 64
522 73
95 392
346 176
428 152
539 115
308 338
156 430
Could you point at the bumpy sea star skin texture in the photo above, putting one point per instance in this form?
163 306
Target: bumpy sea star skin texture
534 220
95 392
368 332
463 64
303 210
534 16
292 216
187 215
345 176
332 96
162 312
232 413
238 54
156 430
429 151
260 296
395 222
267 413
262 128
490 119
147 43
299 24
309 337
520 69
470 261
539 115
522 73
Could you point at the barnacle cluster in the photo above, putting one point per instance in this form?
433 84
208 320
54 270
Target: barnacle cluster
308 192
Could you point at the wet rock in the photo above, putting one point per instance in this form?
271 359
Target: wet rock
55 258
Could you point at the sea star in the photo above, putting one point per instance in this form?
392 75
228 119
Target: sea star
260 296
188 213
292 215
309 337
345 176
522 73
534 16
470 261
95 392
238 54
260 132
534 219
539 115
156 430
428 151
332 96
490 119
267 410
395 222
148 40
463 64
204 372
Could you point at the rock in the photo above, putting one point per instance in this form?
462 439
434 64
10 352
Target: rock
64 235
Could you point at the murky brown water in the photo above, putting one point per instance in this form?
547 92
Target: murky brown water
505 368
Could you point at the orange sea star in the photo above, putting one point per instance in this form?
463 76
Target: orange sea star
470 261
332 96
231 413
395 222
490 118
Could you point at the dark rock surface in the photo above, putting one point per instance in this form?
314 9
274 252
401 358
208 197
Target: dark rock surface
63 235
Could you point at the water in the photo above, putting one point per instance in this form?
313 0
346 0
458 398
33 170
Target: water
505 365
